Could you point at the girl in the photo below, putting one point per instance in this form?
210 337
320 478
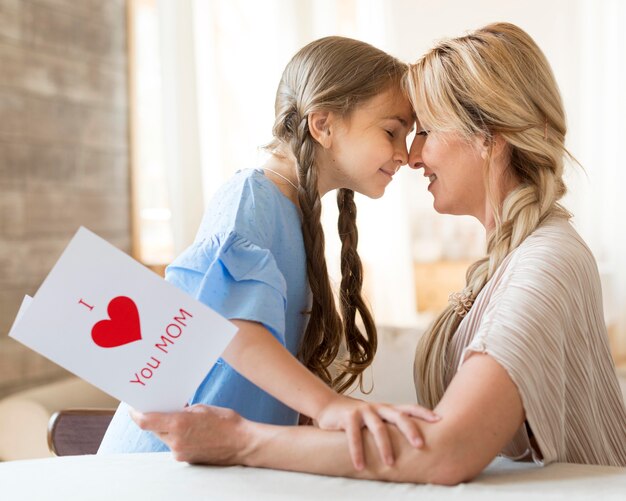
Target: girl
519 363
258 259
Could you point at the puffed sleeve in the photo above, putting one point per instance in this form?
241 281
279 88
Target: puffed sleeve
236 278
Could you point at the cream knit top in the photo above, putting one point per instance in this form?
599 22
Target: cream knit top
540 316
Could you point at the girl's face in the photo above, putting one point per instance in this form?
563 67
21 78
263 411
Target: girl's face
454 166
368 147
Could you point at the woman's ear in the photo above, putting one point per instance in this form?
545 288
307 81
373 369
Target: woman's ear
500 146
320 123
496 143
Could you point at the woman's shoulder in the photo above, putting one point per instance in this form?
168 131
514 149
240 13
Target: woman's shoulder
556 243
541 285
554 257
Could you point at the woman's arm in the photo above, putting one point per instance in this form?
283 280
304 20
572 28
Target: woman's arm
481 411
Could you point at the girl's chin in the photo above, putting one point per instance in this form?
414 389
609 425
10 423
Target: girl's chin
374 195
373 191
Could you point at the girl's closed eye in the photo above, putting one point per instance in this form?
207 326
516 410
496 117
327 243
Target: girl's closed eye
423 132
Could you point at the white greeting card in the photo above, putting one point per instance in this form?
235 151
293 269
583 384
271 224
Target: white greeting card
105 317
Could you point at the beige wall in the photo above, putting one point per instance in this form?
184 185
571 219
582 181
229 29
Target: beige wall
63 149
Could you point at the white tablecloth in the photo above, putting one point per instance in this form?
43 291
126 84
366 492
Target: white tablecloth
157 476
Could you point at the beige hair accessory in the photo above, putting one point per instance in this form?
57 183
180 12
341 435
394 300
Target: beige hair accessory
461 302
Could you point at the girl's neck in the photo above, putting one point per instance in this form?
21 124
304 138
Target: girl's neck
282 172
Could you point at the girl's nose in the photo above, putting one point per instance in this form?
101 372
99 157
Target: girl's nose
401 156
415 153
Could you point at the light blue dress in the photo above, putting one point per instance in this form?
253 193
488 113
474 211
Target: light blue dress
248 262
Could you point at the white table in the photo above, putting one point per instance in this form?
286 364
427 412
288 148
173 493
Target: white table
157 476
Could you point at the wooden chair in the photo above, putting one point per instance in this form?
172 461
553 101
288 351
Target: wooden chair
75 432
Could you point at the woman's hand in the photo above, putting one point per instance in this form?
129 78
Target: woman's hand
198 434
352 415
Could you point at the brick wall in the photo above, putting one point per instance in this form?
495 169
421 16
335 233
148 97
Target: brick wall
64 153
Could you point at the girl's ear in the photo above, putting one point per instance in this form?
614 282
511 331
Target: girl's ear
320 124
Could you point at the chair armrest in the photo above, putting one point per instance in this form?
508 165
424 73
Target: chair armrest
73 432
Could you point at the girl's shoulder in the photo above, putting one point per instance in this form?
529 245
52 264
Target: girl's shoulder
246 184
248 204
250 188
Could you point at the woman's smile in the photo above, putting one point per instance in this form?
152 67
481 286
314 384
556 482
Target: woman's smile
432 178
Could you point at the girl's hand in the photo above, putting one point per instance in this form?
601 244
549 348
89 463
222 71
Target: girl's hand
350 414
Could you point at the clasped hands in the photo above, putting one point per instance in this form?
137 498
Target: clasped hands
214 435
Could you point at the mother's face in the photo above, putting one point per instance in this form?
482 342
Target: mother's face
455 167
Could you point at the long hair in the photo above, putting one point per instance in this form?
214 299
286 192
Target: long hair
493 81
331 74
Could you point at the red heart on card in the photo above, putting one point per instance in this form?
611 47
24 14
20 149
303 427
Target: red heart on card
122 326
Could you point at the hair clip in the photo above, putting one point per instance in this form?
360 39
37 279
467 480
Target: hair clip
461 302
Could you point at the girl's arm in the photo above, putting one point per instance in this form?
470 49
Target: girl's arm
481 411
260 358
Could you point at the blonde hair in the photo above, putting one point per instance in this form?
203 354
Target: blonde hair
331 74
493 81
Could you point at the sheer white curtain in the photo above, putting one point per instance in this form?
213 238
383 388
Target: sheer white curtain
597 195
181 139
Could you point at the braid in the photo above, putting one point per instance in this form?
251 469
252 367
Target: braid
322 337
361 349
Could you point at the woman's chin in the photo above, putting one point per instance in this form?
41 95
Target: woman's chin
440 207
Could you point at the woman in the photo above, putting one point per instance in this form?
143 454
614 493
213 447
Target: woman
519 363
